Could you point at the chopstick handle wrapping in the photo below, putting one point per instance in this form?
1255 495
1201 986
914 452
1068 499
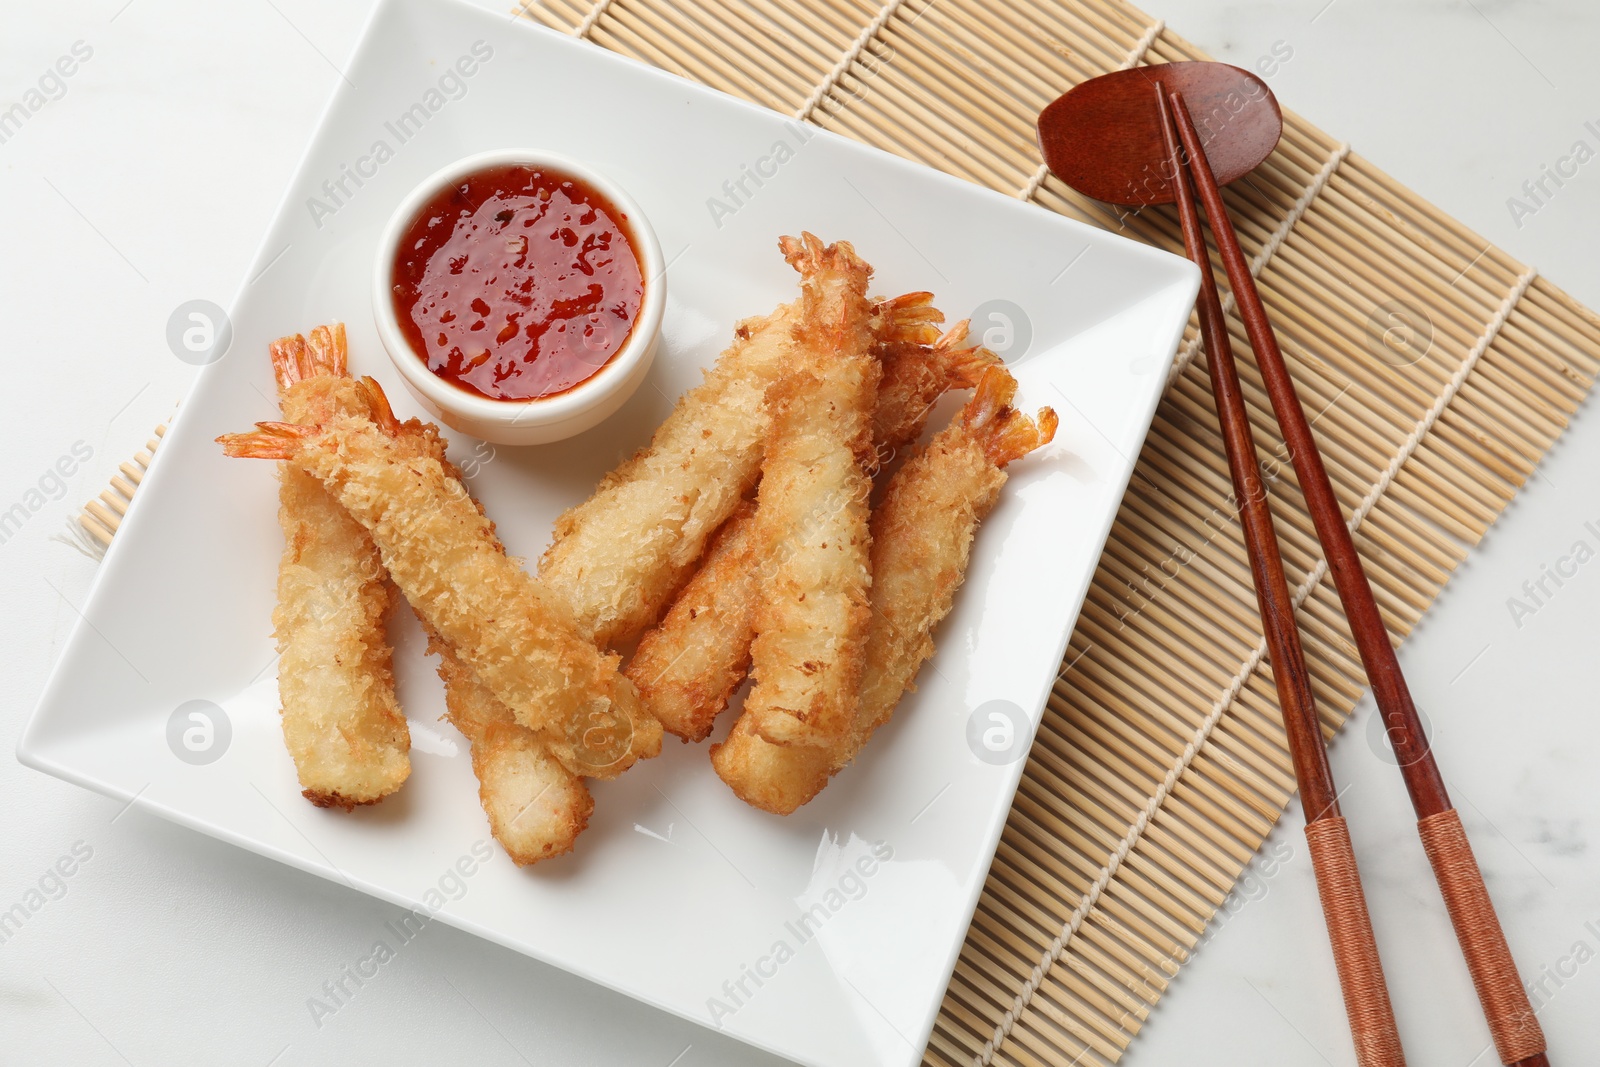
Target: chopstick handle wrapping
1518 1037
1483 944
1355 951
1344 906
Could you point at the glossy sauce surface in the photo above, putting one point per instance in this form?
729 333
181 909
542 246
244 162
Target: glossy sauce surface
517 283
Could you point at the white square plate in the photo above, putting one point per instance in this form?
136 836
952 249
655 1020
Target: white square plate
678 895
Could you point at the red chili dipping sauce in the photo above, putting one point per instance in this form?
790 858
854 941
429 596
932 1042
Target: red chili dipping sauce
517 282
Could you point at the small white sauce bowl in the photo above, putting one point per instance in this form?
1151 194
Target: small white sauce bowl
542 419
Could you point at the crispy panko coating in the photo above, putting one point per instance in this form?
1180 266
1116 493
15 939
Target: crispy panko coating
536 807
811 535
517 636
620 556
689 666
341 722
921 543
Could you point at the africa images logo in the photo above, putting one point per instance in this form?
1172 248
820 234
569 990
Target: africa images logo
341 188
850 885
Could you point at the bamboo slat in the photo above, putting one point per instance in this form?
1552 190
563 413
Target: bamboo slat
102 517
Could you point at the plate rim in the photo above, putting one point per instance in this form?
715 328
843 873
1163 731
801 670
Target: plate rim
32 753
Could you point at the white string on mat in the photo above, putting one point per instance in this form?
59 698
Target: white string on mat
1457 380
853 53
599 8
1264 255
1039 175
1135 56
1202 734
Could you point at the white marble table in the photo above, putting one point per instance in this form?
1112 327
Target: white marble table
145 178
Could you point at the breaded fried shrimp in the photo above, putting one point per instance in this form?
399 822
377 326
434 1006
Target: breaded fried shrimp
535 806
921 542
515 634
620 556
927 522
688 667
341 722
811 537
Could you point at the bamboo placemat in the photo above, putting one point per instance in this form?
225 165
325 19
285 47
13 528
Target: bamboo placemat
102 518
1160 765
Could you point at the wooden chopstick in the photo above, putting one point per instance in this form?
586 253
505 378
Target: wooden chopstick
1344 905
1517 1036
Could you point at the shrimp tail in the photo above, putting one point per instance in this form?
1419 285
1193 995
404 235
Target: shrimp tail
955 338
296 358
908 319
995 390
382 414
329 351
964 363
288 361
271 440
801 251
808 255
1004 433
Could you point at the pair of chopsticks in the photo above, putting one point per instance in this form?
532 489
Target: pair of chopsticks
1512 1023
